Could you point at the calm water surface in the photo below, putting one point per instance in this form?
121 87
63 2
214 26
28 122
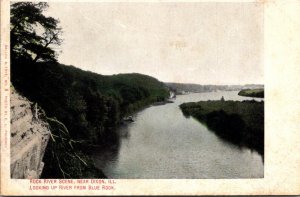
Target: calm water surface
162 143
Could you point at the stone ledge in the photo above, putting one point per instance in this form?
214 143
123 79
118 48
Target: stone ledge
29 138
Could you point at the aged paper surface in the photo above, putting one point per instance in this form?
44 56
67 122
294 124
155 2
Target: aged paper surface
281 42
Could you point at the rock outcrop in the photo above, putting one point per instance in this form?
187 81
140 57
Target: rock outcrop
29 138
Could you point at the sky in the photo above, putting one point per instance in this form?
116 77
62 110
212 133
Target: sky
202 43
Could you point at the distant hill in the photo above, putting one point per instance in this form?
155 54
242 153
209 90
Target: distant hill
180 88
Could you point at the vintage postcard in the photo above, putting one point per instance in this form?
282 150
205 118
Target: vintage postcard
150 97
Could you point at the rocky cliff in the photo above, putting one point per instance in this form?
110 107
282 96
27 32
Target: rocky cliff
29 138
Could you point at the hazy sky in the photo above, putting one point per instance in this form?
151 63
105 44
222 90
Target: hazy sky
205 43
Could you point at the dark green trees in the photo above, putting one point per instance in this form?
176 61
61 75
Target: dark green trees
32 33
238 122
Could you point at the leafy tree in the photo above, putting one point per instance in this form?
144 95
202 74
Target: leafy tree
32 33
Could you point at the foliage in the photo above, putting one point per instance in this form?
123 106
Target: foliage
89 104
32 33
240 122
259 93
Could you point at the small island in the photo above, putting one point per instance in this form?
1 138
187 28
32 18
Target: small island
258 93
239 122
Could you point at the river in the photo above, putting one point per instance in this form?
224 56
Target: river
163 144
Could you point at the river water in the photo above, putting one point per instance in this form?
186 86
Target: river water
163 144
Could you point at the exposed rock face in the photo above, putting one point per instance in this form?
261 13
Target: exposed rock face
29 138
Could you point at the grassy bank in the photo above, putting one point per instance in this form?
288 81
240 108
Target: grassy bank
259 93
239 122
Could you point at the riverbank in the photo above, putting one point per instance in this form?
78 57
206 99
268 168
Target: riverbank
239 122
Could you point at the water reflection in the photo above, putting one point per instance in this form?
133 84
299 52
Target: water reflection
108 154
124 131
